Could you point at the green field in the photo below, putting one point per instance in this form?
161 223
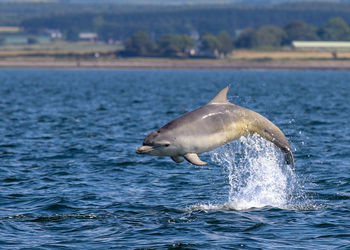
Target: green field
55 48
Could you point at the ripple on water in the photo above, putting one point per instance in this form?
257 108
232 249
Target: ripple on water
70 178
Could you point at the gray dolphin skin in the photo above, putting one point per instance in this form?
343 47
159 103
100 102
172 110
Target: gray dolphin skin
210 127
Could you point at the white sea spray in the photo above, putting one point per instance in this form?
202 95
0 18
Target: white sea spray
257 174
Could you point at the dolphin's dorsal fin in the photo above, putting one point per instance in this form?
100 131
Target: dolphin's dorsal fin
221 97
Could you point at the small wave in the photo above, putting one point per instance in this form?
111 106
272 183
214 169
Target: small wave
257 175
54 217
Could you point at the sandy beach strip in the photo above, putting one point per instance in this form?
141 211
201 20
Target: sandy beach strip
161 63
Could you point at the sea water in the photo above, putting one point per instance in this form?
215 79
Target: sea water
70 177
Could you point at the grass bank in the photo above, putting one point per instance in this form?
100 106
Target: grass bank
89 55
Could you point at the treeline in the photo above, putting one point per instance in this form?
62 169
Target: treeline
209 45
118 24
12 13
174 45
336 29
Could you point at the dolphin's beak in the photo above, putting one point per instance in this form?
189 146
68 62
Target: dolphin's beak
144 149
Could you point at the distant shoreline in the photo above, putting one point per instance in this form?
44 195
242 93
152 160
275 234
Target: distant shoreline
163 63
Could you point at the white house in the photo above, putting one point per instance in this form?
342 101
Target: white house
88 36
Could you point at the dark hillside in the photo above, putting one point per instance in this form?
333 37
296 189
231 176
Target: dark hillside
185 20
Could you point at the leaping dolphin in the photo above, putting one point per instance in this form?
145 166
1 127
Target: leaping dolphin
210 127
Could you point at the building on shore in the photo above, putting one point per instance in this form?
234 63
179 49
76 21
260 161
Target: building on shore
92 37
321 45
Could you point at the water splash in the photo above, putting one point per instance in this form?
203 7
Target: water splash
257 174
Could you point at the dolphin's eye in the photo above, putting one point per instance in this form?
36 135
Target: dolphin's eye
166 145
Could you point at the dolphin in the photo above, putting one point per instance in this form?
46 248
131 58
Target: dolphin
209 127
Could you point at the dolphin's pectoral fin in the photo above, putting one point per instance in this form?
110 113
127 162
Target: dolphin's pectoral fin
177 159
194 159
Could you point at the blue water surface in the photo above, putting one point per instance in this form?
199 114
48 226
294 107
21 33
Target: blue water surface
70 177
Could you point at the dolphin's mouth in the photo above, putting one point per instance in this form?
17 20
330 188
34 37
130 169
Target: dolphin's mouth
144 149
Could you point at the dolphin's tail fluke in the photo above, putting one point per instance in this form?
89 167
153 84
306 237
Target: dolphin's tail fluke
276 136
272 133
288 156
279 139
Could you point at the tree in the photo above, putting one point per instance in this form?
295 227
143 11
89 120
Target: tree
270 36
97 22
174 45
72 35
300 31
32 40
210 43
187 42
336 29
248 38
139 45
109 31
226 42
266 36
